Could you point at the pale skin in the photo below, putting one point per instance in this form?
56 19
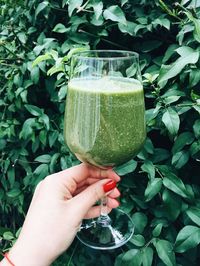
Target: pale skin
60 202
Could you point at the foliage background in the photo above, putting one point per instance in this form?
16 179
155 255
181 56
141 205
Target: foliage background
160 189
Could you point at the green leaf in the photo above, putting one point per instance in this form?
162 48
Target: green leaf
126 168
196 128
194 214
138 240
43 136
72 5
196 32
27 129
22 37
171 99
98 8
45 158
187 238
129 258
165 252
34 110
157 230
195 149
60 28
171 120
147 256
115 13
53 136
184 51
194 77
153 188
169 52
123 2
169 71
41 7
172 204
8 236
35 74
163 22
149 168
129 27
160 155
175 184
180 158
42 170
185 138
13 193
41 58
140 221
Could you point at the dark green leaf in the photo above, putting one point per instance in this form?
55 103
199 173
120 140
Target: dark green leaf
194 214
41 7
165 252
160 155
175 184
187 238
45 158
126 168
185 138
8 236
140 221
157 230
171 120
138 240
172 204
149 168
74 5
180 158
34 110
115 13
196 128
60 28
169 71
153 188
147 256
130 258
194 77
14 193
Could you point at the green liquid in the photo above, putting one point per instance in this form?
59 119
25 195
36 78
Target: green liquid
104 120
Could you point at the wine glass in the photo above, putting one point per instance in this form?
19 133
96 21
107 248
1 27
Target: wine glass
104 126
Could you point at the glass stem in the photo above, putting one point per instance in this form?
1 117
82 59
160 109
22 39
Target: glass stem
104 220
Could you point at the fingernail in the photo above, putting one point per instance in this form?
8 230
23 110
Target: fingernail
109 186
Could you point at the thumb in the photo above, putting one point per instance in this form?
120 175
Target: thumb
87 198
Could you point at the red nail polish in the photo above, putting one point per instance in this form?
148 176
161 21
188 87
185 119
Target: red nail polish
109 186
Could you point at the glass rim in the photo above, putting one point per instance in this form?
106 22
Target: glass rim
125 54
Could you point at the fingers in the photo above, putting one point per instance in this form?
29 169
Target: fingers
83 174
96 210
88 197
115 193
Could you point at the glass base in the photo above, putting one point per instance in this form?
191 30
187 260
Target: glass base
107 232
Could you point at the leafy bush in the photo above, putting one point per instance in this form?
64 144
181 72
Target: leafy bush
160 189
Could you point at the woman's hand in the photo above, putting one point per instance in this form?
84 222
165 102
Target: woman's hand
59 204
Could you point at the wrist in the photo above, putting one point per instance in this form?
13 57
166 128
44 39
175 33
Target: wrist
22 254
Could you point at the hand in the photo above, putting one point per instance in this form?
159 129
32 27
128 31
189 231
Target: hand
59 204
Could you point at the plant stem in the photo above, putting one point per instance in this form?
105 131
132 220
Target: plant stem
11 52
107 41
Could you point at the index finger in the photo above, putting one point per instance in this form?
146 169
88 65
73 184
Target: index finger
83 171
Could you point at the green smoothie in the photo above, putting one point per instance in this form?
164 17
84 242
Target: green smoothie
104 120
